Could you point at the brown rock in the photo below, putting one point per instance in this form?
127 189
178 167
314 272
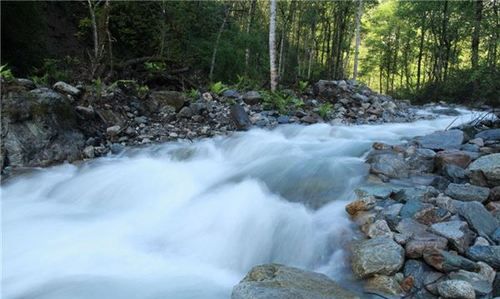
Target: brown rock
420 243
362 204
459 158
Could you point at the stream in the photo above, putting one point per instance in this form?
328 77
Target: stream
189 220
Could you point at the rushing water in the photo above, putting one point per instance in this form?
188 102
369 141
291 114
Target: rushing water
188 220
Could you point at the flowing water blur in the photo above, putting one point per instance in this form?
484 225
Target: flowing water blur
188 220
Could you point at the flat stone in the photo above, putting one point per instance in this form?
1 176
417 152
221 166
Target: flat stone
66 88
478 218
411 207
456 232
282 282
376 256
420 243
456 289
430 215
485 171
488 254
445 261
467 192
442 140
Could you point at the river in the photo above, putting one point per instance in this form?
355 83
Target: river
188 220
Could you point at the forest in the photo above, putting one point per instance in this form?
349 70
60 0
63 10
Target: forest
418 50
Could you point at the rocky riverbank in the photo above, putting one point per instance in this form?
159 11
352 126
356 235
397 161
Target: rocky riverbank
42 126
431 213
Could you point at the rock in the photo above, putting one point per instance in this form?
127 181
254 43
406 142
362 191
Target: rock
457 232
419 243
376 256
432 215
496 286
446 111
421 160
411 207
418 271
185 112
282 282
26 83
442 140
467 192
488 254
496 236
66 89
86 112
485 171
494 194
89 152
113 130
454 173
360 98
479 283
362 204
39 127
158 99
387 163
283 119
456 289
379 229
458 158
231 93
479 219
477 141
141 120
240 117
491 134
415 193
326 89
383 285
410 227
252 97
447 262
116 148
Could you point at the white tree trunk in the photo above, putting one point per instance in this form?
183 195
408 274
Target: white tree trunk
272 45
358 39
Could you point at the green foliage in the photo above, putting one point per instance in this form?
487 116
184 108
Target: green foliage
281 101
193 94
218 88
325 109
142 91
98 87
6 73
155 67
244 83
54 70
302 86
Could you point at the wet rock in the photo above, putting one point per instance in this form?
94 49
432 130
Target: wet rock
478 218
378 190
383 285
410 227
283 119
488 254
362 204
66 89
240 117
419 243
447 262
252 98
491 134
116 148
485 171
456 289
442 140
376 256
451 157
89 152
457 233
388 163
467 192
282 282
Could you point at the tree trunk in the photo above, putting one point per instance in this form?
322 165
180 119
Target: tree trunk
421 50
358 39
249 25
217 40
272 46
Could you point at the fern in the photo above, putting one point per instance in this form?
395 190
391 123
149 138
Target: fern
218 88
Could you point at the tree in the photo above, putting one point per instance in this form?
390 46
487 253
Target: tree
272 45
358 39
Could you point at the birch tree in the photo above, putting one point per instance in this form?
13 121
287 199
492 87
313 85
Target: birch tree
272 45
358 39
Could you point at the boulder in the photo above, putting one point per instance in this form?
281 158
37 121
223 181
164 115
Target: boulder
467 192
491 134
66 88
478 218
273 281
240 117
442 140
252 97
494 194
485 171
488 254
158 99
326 89
421 160
185 112
452 157
456 289
456 232
361 204
379 255
379 228
388 163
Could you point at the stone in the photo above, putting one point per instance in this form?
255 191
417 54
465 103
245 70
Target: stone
467 192
456 232
454 173
388 163
442 140
445 261
89 152
26 83
86 112
240 117
479 283
283 119
491 134
66 88
477 141
379 255
361 204
376 190
113 130
326 89
419 243
379 229
418 271
421 160
158 99
494 194
430 215
282 282
478 218
452 157
185 112
231 93
116 148
411 207
487 254
252 97
456 289
410 227
485 171
496 236
415 193
383 285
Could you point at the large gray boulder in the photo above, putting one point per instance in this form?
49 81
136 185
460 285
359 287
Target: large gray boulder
442 140
467 192
274 281
39 128
379 255
388 163
491 134
240 117
485 171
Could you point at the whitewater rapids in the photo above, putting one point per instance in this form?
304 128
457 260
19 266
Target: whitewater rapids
188 220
